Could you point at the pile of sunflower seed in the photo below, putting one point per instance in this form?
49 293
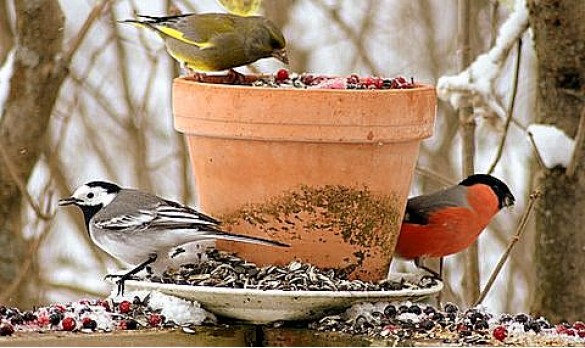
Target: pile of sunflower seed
222 269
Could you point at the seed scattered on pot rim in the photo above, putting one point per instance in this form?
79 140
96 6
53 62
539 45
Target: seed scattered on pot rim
285 79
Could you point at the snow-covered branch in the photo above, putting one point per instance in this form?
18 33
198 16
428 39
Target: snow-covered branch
476 84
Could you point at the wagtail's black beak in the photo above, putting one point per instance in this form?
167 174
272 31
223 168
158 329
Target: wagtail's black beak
68 201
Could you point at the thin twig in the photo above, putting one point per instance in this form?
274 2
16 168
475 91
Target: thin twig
578 146
434 176
333 13
535 149
79 38
521 227
500 150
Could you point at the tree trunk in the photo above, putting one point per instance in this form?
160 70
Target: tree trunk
559 31
34 86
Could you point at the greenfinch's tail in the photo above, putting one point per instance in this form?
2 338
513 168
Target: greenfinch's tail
165 27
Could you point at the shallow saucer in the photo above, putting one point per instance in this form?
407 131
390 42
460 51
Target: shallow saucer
266 306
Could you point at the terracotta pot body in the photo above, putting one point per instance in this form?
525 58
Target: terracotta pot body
326 171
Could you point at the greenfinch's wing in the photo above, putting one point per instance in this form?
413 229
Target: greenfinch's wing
205 29
241 7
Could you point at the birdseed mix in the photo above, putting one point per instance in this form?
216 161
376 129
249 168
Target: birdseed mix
223 269
285 79
84 316
449 325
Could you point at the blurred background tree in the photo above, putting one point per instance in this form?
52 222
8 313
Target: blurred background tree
110 118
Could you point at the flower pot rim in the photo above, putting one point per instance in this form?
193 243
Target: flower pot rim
419 87
333 116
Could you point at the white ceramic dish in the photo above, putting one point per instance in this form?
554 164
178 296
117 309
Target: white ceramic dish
266 306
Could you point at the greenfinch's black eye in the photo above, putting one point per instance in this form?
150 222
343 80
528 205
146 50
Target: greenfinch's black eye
90 195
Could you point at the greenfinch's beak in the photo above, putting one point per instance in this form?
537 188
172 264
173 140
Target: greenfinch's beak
280 55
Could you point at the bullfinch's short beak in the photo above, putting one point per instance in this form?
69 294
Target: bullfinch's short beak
509 201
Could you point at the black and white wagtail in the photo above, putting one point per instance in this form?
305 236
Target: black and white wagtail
142 229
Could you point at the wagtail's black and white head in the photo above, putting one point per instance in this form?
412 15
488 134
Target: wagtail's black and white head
139 228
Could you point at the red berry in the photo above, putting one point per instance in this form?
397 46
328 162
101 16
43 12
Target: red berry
282 75
89 323
561 329
104 304
370 81
500 333
68 324
579 325
60 308
401 80
379 83
571 332
125 307
354 79
154 319
43 320
6 329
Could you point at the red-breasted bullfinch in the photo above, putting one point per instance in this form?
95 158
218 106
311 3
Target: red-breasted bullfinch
450 220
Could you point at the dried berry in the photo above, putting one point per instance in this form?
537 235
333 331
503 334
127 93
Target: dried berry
561 329
89 323
124 307
68 324
500 333
6 329
104 304
579 325
58 308
43 320
155 319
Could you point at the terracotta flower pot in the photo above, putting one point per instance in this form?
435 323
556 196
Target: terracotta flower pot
326 171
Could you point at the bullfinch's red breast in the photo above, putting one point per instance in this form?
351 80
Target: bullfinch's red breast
450 220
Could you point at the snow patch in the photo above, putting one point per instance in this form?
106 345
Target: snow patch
180 311
554 146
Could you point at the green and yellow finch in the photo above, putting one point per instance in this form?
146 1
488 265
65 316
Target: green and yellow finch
217 41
